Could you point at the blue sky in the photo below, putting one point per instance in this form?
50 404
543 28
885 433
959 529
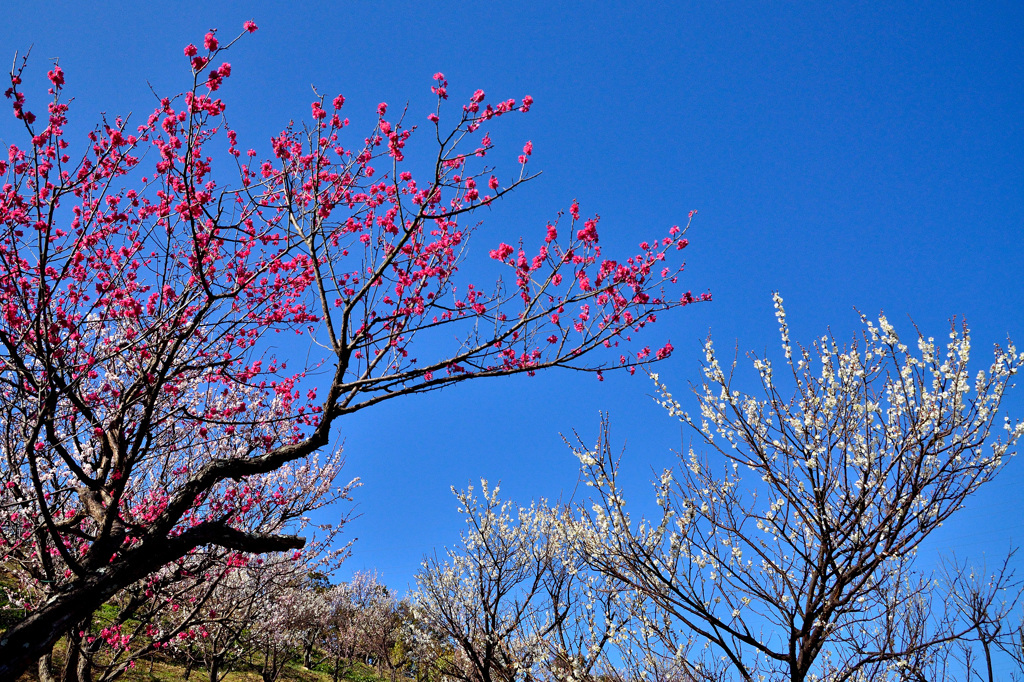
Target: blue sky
864 156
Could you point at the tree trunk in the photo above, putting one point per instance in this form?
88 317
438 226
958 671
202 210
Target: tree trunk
988 657
307 655
84 671
45 668
74 652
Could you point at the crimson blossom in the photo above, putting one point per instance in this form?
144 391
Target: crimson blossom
140 292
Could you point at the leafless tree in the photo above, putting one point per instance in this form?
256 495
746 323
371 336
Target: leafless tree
987 606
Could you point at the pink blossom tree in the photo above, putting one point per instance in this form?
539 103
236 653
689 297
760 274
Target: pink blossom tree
141 292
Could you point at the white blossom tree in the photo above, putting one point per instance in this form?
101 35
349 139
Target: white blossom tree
515 600
787 549
304 610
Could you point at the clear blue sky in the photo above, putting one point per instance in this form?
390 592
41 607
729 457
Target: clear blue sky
865 155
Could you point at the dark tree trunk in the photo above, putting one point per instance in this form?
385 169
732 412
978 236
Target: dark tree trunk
74 654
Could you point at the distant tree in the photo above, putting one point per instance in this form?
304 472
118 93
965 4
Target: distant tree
142 285
806 568
248 613
384 632
987 610
515 601
308 610
233 607
353 610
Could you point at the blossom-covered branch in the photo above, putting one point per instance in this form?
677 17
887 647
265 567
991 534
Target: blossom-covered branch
788 549
148 400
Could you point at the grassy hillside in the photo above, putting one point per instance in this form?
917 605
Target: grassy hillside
169 671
